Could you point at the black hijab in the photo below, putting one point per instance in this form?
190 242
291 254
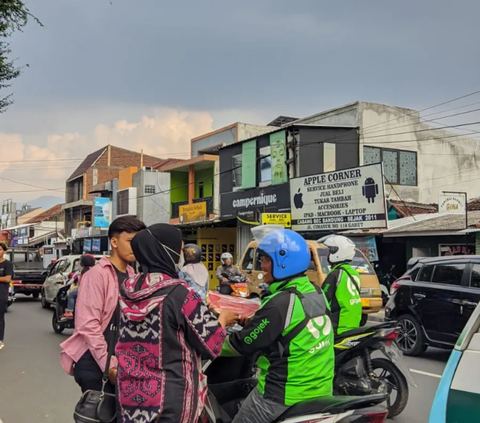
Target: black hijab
158 249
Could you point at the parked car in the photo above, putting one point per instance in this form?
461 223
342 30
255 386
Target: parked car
433 301
29 271
319 268
59 274
457 394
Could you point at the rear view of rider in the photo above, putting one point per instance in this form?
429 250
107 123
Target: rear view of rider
290 331
342 285
229 269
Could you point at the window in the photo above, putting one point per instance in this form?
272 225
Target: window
237 171
450 274
247 263
149 189
265 165
201 190
413 273
475 276
400 167
426 274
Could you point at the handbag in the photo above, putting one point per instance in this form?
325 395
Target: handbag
99 406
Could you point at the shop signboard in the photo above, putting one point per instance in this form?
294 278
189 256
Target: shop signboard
456 250
282 219
249 205
196 212
101 212
346 199
451 203
368 246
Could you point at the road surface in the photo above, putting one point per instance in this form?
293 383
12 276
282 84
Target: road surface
34 388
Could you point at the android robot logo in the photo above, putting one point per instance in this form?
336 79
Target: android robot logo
370 190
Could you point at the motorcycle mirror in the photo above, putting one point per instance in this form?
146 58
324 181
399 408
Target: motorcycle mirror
260 276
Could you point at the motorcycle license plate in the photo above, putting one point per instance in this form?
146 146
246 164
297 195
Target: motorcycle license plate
365 302
393 353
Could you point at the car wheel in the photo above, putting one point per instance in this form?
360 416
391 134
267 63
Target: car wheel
57 326
45 304
411 339
36 295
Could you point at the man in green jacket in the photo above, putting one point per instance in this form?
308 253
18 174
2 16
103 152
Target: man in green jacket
342 286
291 331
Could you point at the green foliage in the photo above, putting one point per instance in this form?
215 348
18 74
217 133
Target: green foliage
14 16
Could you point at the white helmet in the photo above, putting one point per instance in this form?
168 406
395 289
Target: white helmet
341 248
226 256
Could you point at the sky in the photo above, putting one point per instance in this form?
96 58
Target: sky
153 74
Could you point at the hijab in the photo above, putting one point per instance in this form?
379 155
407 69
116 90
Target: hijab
158 249
198 272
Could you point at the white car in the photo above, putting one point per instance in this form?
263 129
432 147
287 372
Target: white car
59 274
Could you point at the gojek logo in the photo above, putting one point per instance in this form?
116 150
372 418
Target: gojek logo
351 286
254 333
321 325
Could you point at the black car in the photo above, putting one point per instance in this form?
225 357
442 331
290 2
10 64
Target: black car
433 301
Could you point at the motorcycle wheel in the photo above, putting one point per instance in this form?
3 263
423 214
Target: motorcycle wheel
57 326
395 381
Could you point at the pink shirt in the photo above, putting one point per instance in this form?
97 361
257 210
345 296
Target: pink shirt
97 300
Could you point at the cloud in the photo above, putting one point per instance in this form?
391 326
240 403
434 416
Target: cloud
166 132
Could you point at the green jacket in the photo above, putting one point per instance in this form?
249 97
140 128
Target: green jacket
341 288
291 370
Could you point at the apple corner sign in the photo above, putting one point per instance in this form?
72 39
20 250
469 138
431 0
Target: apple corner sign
341 200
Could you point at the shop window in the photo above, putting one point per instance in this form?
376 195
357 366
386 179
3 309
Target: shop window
237 171
265 165
400 167
149 189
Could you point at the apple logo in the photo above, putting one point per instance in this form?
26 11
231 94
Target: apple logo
297 199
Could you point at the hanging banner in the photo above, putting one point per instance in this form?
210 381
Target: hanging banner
278 152
456 250
346 199
101 215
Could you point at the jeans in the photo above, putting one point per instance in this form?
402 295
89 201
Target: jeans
72 297
3 309
257 409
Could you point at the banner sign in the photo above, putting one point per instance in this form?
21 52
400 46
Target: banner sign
346 199
278 153
196 212
101 212
368 246
282 219
249 205
448 203
456 249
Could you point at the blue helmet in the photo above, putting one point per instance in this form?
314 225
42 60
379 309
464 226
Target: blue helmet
287 249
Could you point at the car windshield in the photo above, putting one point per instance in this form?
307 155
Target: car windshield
359 263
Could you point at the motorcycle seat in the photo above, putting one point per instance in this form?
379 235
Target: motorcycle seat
362 330
333 404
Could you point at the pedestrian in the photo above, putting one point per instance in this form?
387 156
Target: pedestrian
194 272
6 275
165 328
87 261
84 354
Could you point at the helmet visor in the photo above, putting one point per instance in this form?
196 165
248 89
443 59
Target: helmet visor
275 239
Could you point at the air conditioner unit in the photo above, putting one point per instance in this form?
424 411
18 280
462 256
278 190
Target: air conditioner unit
127 202
147 168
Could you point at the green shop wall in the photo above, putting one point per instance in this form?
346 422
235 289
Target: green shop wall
178 187
205 176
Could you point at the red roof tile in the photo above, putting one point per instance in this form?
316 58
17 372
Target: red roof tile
53 211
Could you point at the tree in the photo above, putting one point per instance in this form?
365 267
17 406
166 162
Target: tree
14 16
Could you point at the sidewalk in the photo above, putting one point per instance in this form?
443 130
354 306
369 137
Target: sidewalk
377 317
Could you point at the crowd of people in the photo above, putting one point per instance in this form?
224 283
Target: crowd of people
140 337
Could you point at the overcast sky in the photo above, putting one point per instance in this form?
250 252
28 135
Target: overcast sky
152 74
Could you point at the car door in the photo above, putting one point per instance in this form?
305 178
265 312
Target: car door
445 301
471 292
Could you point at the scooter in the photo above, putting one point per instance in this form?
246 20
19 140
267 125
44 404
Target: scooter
230 380
357 373
238 286
59 324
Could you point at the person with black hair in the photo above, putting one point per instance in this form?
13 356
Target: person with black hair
6 275
84 354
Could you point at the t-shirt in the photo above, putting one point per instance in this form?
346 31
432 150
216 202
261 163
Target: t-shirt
6 269
121 276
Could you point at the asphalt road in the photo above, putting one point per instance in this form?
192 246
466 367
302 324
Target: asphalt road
34 388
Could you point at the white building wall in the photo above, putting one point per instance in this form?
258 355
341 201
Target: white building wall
246 131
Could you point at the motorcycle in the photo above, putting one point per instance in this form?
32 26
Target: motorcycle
230 380
238 286
355 369
386 280
11 295
58 323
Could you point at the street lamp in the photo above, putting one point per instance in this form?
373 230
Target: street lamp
466 212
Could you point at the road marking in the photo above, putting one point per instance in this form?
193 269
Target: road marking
420 372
